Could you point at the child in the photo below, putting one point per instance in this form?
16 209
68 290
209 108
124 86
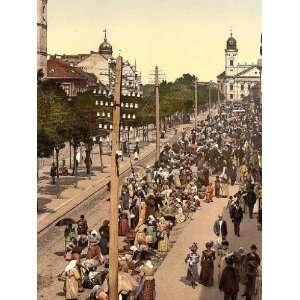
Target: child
192 260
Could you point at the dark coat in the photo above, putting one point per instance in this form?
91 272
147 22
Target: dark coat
229 282
251 198
223 228
236 214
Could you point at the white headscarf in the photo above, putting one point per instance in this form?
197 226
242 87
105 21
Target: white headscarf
71 265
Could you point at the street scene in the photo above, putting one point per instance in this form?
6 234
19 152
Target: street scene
149 173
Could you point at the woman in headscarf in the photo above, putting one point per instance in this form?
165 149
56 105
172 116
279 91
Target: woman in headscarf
163 239
72 276
148 287
94 251
151 230
207 265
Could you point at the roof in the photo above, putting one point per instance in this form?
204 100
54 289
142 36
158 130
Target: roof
246 70
222 75
57 68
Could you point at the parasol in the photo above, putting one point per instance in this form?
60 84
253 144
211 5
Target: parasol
65 222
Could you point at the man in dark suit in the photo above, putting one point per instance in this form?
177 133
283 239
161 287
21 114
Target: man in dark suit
220 227
250 201
236 215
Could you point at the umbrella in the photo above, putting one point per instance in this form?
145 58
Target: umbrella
65 222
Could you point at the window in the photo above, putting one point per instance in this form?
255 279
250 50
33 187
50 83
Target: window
242 87
249 86
231 87
231 62
242 95
231 96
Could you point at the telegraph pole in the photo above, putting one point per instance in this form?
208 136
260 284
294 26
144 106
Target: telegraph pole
113 227
157 115
209 99
196 103
219 103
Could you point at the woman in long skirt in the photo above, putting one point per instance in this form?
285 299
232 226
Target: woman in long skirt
207 265
192 260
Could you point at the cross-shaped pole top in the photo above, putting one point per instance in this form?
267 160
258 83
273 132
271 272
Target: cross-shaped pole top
104 34
231 31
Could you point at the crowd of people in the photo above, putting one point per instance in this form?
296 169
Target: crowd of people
223 150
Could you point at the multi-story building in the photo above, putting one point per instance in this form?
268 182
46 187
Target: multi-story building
236 81
102 64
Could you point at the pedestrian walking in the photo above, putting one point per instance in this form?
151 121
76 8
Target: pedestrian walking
252 264
224 251
229 282
53 173
250 201
220 229
192 260
207 265
236 217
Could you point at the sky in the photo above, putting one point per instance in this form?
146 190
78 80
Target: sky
180 36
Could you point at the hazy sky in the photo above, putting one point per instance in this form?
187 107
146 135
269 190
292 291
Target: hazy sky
179 36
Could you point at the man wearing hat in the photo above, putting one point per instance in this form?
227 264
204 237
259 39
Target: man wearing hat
236 215
252 263
229 282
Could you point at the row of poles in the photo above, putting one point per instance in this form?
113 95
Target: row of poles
196 83
113 231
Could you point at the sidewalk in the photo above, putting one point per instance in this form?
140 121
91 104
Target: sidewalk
50 207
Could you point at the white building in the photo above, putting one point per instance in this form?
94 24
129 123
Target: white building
237 79
42 36
102 64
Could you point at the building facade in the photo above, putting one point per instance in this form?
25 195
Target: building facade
72 80
102 65
236 82
42 36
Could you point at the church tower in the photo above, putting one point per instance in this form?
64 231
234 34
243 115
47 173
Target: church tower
42 36
231 57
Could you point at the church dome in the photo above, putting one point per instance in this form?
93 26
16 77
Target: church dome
105 47
231 43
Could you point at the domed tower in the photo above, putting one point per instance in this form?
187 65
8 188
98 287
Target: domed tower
231 53
105 48
42 36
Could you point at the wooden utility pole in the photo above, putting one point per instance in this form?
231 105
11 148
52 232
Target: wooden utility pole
113 224
209 99
196 103
157 115
219 103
